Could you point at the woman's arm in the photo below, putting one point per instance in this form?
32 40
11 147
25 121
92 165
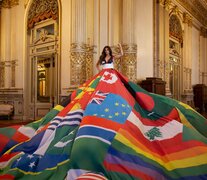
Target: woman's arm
121 52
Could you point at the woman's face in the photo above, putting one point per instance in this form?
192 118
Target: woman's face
106 51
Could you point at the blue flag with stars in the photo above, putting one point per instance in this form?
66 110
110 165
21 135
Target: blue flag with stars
114 107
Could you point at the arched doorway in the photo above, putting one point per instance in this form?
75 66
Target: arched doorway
42 57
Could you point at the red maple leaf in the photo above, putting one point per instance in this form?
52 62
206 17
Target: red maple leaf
108 77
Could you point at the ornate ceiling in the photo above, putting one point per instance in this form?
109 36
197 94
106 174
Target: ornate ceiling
197 8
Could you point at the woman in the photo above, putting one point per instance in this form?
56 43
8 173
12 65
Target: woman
106 59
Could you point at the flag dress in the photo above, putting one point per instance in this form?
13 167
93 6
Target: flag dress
112 129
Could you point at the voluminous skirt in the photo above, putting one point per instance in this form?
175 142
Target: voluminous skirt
109 129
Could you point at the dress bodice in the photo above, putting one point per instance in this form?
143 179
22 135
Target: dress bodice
109 64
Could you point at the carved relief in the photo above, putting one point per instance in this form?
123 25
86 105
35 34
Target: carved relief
187 19
81 63
2 74
196 8
175 28
176 11
9 3
117 63
160 65
44 36
167 4
161 2
13 70
11 66
42 9
129 61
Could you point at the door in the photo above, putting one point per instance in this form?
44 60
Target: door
43 84
175 77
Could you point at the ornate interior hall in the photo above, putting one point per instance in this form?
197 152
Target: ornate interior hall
50 47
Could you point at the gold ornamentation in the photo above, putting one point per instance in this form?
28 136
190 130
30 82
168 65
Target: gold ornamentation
25 3
175 28
81 63
167 72
161 68
187 19
11 65
167 4
9 3
117 63
175 10
195 8
2 74
161 2
13 70
129 61
41 10
203 32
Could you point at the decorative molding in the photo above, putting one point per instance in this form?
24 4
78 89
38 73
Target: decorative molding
44 36
196 9
175 28
187 19
25 3
175 10
167 4
7 64
13 72
8 3
2 74
128 62
160 67
81 63
203 32
41 10
161 2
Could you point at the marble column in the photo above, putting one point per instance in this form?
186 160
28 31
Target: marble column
187 94
201 56
5 47
162 62
129 60
185 53
160 40
1 63
190 55
166 47
205 56
81 50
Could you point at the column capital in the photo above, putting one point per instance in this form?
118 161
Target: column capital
203 32
187 19
9 3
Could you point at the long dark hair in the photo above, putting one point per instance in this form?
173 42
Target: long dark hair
103 54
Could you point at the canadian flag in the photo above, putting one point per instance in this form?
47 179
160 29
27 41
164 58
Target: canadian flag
109 77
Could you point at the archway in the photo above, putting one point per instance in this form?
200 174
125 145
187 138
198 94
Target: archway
42 59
